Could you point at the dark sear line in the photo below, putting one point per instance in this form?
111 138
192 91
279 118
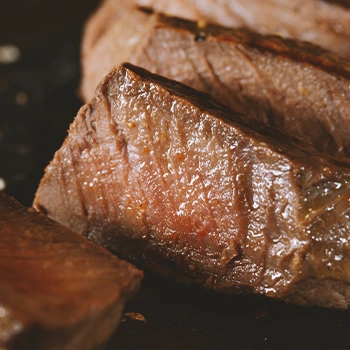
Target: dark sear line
323 23
294 86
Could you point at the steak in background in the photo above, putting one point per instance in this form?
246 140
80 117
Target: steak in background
295 86
57 289
169 178
324 23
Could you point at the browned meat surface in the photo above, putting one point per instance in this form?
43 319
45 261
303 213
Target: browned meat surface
294 86
325 23
57 289
167 177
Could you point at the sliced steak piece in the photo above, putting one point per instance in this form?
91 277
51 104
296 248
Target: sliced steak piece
57 289
325 23
165 176
294 86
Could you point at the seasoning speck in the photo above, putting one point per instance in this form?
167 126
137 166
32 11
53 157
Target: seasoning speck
9 54
21 98
2 184
201 24
199 37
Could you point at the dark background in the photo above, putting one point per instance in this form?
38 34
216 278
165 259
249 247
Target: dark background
38 101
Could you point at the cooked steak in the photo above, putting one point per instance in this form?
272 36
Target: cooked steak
325 23
57 289
165 176
294 86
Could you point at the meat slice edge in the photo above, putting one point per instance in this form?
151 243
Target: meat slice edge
171 179
320 22
297 87
58 290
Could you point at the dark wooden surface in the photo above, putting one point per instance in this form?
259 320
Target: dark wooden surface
38 101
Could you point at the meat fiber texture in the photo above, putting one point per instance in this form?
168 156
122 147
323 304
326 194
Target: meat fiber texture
295 86
324 23
57 289
166 177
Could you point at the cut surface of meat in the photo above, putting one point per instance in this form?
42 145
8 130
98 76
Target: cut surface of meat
324 23
294 86
169 178
57 289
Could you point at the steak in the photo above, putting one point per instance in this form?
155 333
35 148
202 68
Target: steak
57 289
324 23
167 177
295 86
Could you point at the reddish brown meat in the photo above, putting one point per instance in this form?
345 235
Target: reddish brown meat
294 86
57 289
325 23
171 179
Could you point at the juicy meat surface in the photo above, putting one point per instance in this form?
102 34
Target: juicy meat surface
57 289
325 23
294 86
169 178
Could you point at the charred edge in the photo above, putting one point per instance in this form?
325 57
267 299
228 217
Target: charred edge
298 51
146 10
224 112
343 3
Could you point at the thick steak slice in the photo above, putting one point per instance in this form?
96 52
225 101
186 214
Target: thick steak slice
167 177
325 23
294 86
57 289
